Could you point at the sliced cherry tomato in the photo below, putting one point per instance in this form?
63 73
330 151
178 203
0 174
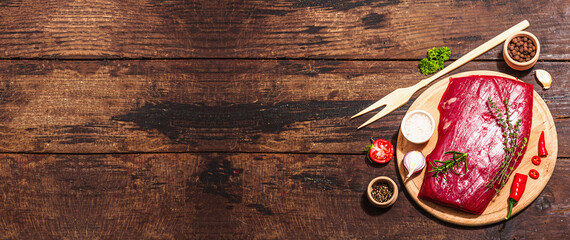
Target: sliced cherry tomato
381 151
536 160
533 174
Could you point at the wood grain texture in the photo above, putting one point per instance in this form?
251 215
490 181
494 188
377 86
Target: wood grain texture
216 105
212 195
229 119
352 29
212 105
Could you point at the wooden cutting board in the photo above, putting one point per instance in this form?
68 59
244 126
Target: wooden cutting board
497 209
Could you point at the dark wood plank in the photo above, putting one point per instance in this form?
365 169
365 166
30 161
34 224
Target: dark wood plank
181 196
216 105
361 29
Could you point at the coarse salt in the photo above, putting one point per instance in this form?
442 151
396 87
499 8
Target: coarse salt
418 127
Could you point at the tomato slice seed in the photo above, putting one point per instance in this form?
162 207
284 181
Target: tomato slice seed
381 151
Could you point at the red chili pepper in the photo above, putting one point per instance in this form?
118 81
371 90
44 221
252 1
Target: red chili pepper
533 174
536 160
517 190
542 146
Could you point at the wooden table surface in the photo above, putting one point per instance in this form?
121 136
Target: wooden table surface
177 119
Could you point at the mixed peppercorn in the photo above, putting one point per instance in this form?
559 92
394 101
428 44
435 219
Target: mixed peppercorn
382 192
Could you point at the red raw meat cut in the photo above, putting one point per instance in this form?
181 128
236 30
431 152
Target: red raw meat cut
467 124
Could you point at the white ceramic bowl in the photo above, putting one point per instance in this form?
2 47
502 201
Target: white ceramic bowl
410 129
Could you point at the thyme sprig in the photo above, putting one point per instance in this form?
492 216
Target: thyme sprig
512 151
449 164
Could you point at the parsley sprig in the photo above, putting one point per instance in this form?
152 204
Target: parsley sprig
434 60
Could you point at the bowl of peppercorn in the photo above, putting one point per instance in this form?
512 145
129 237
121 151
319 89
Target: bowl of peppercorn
521 50
382 191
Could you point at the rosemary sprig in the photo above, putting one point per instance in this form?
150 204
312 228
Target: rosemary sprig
449 164
512 151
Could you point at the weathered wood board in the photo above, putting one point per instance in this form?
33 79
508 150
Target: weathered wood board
216 105
229 119
232 195
349 29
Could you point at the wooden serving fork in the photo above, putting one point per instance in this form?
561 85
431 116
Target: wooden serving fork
401 96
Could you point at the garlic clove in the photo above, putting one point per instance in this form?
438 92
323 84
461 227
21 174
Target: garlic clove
414 162
544 78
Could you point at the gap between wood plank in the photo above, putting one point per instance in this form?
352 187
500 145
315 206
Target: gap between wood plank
199 152
249 59
195 152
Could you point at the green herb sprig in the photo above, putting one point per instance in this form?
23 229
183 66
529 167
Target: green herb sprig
512 151
449 164
434 60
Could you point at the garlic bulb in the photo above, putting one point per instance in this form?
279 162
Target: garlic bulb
544 78
414 162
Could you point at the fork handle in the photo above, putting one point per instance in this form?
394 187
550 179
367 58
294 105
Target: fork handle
475 53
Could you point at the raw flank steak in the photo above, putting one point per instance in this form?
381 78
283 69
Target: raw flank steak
468 124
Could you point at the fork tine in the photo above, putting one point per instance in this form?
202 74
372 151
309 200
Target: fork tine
377 104
388 109
402 95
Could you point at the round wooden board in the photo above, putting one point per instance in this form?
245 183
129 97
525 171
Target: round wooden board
497 209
